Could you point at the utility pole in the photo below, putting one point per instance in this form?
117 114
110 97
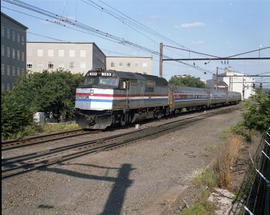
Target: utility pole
217 78
243 91
160 59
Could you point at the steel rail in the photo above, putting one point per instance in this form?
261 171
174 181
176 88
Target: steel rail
18 143
15 166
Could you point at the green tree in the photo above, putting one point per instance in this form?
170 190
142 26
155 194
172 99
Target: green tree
258 115
186 81
15 115
49 92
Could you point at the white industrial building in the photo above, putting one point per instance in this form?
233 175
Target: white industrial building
234 81
77 57
80 57
130 64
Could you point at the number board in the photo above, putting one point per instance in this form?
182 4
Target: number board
103 74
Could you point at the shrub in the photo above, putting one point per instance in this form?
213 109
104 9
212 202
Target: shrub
258 115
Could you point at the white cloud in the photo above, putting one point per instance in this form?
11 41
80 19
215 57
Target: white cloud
191 25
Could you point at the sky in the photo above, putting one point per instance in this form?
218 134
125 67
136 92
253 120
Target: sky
217 27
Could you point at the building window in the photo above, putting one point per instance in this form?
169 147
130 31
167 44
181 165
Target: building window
13 35
2 69
22 56
112 64
61 53
18 54
40 52
13 71
2 50
128 64
18 70
144 65
13 53
8 33
50 53
22 40
2 31
8 70
71 65
136 65
120 64
50 66
18 38
8 52
29 65
82 65
71 53
82 53
22 71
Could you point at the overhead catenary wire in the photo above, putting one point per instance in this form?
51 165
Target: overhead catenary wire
201 53
44 36
76 24
95 5
142 26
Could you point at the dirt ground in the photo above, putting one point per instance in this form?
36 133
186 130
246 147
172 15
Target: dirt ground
142 178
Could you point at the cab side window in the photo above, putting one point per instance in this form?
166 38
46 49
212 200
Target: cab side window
149 86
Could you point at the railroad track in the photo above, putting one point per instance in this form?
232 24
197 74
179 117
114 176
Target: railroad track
18 143
20 164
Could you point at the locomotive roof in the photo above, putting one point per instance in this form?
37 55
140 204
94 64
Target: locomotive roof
139 76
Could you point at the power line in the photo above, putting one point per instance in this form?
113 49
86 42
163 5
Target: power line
190 51
97 6
75 23
201 53
142 26
219 58
44 36
255 50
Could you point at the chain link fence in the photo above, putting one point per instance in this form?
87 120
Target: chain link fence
253 197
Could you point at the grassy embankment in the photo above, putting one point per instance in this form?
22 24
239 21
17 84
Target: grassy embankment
217 176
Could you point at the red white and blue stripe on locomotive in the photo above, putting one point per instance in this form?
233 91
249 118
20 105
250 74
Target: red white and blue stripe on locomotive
110 97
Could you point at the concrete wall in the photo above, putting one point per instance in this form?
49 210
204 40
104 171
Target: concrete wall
76 57
130 64
13 51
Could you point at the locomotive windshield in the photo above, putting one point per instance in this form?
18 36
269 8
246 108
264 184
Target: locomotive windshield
111 82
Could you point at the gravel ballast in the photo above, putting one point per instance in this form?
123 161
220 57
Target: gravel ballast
140 178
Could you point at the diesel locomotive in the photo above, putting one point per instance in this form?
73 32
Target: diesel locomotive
110 97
